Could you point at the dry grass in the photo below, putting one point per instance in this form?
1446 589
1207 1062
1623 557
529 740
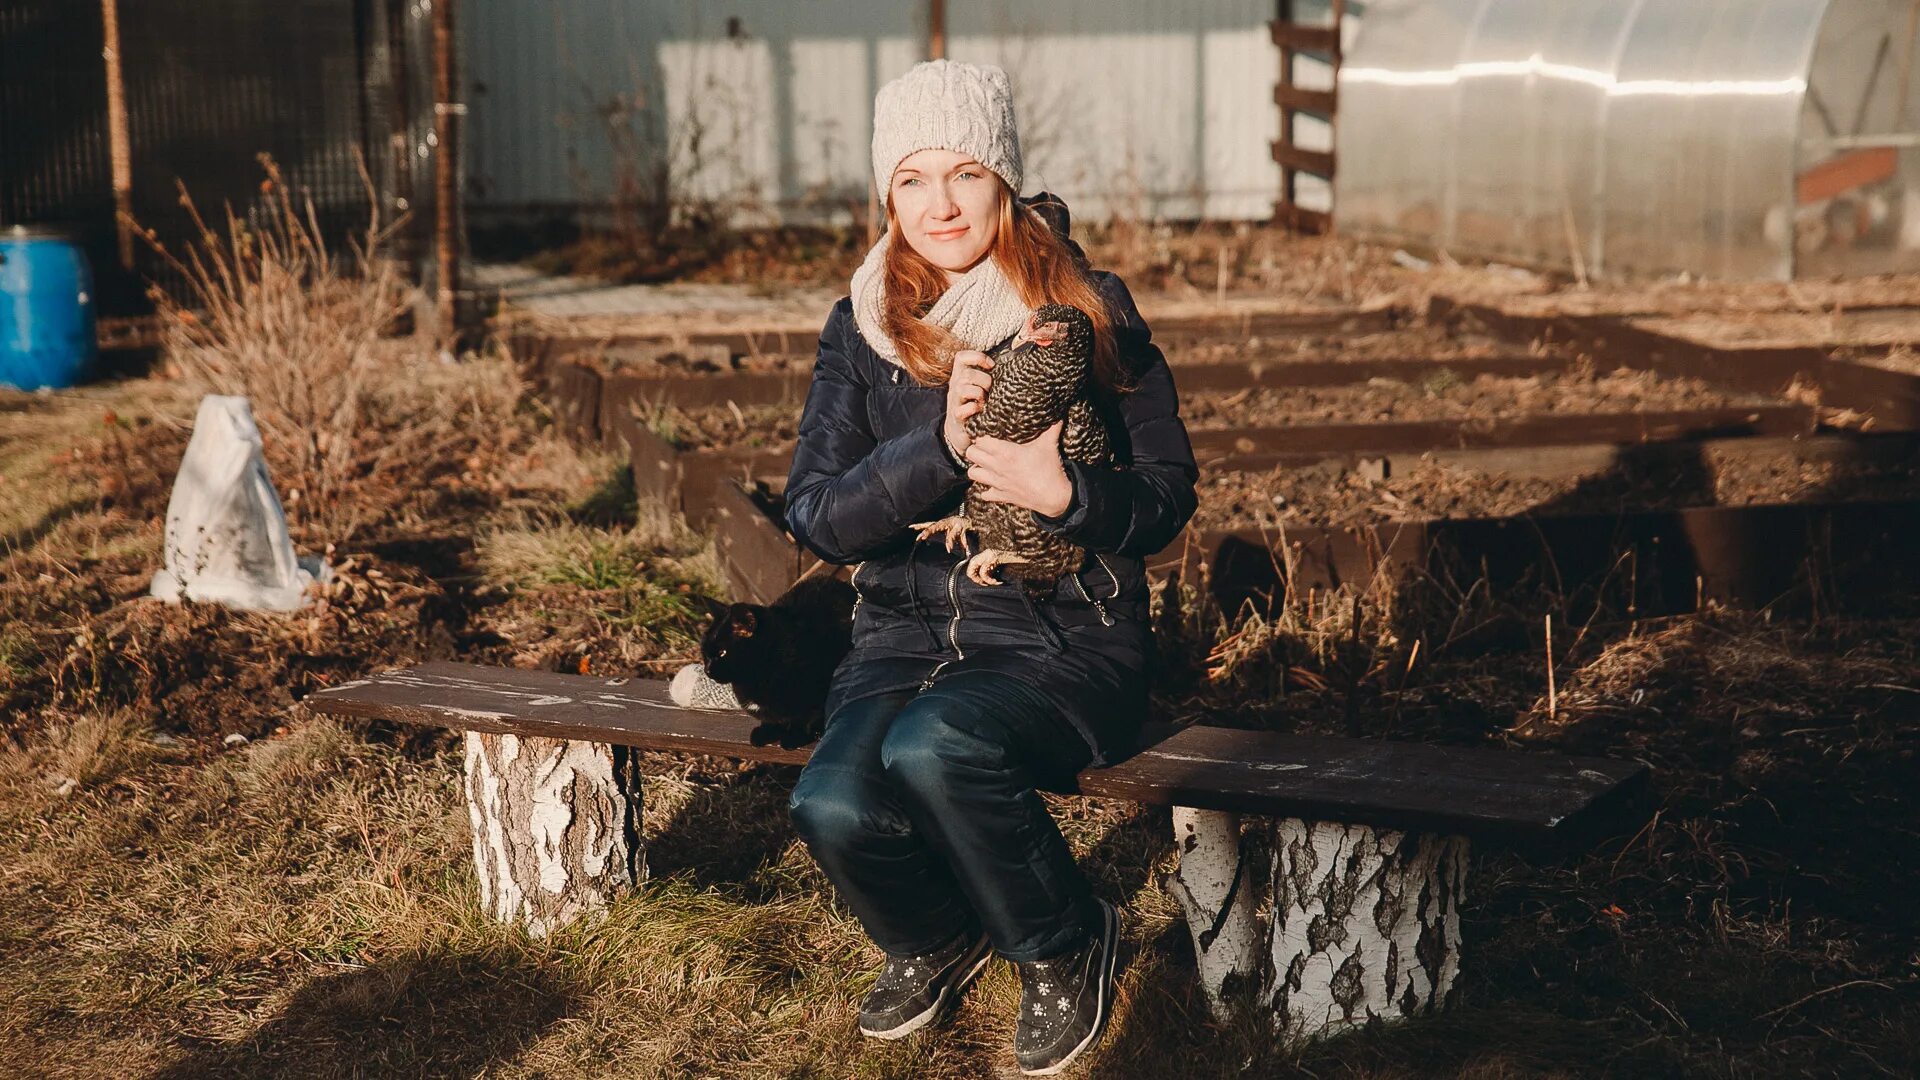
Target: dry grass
301 904
346 409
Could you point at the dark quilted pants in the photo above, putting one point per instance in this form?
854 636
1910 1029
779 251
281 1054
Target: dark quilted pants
922 811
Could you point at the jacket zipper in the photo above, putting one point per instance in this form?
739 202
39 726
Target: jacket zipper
1111 576
1078 583
858 599
953 625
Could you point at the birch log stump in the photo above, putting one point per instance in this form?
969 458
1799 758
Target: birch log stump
1366 924
556 827
1215 886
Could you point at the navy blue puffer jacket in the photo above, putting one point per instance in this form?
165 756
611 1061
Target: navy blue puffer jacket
870 461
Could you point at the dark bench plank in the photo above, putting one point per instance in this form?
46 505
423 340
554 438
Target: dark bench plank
1483 792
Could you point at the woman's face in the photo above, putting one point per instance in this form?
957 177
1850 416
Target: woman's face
948 208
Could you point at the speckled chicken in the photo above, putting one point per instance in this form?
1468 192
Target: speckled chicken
1043 375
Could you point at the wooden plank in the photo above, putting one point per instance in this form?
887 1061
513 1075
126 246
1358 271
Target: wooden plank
1846 172
1318 162
1485 792
761 560
654 463
1229 376
1523 447
704 474
573 389
705 391
1892 398
1303 38
757 388
1324 102
1173 333
1300 219
533 353
1169 328
1489 794
705 358
1540 430
1576 461
622 711
1616 343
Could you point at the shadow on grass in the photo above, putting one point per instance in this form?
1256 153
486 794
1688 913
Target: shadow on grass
24 538
415 1015
1121 863
724 836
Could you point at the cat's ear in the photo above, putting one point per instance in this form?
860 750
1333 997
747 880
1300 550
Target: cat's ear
706 605
745 620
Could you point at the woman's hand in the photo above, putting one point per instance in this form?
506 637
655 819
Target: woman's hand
1029 475
966 395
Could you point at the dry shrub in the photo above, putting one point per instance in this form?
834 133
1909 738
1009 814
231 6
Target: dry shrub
304 332
1312 639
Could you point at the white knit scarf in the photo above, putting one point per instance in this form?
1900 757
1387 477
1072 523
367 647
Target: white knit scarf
981 309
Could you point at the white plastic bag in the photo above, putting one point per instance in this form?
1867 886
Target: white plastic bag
226 533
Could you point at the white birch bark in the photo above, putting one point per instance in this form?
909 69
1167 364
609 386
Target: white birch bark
1216 886
556 827
1366 923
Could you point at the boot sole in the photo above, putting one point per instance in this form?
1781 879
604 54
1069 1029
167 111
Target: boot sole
951 991
1103 1006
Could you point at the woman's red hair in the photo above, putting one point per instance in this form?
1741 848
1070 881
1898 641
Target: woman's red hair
1035 259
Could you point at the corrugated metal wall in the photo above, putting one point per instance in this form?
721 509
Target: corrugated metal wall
1124 104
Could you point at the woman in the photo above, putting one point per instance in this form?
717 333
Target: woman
959 700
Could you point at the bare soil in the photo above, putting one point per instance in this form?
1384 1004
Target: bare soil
1441 396
1415 342
1548 296
1793 329
1444 396
1418 341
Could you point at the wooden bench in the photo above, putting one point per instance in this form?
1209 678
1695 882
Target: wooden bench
1368 845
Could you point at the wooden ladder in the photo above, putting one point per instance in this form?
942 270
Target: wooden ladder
1293 38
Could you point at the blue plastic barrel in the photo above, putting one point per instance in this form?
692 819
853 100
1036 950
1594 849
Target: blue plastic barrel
46 309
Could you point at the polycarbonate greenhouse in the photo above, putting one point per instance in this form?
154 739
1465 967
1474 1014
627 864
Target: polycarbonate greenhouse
1724 138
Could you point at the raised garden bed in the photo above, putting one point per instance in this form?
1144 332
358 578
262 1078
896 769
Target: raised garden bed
1377 441
1445 395
1729 472
1458 410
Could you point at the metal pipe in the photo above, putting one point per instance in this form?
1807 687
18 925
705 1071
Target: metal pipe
1862 142
120 144
446 179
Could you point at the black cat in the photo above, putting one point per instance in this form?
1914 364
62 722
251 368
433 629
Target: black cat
780 657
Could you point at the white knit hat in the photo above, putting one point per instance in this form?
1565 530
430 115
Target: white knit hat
947 105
